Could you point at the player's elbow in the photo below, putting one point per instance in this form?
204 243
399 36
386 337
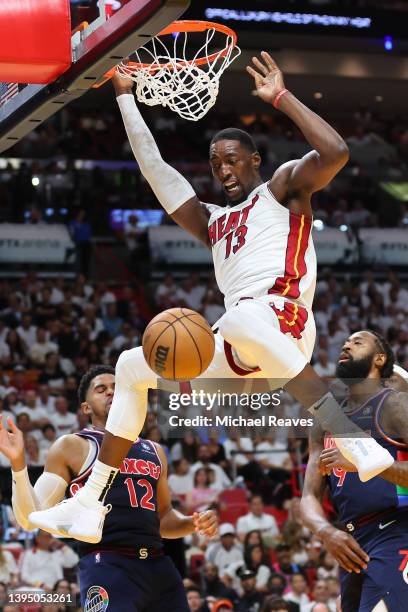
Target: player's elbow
343 152
340 153
128 368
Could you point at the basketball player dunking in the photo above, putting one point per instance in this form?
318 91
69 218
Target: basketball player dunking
265 265
373 547
128 569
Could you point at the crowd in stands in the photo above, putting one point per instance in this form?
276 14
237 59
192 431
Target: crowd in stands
52 331
57 180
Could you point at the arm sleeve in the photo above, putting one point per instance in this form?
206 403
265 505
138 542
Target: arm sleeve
170 188
48 491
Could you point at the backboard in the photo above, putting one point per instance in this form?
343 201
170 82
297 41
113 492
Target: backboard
96 48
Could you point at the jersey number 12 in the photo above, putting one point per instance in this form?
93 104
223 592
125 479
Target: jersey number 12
145 500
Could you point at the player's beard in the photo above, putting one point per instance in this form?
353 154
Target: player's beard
228 202
354 371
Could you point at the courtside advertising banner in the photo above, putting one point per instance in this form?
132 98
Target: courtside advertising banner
175 246
35 243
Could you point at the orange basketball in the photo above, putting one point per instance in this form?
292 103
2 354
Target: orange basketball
178 344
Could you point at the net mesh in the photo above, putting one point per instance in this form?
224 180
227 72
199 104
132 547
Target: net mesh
164 75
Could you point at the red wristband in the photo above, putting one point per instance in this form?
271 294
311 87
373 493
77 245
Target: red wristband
278 97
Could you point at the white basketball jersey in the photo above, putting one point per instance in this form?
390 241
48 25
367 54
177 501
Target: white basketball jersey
260 247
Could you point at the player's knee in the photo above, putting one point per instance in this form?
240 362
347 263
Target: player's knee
236 328
132 369
232 327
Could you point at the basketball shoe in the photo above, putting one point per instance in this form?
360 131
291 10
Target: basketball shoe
70 518
369 457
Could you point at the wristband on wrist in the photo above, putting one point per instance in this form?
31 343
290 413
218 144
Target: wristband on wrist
278 97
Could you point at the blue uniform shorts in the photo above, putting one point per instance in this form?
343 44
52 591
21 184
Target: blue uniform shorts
115 582
385 540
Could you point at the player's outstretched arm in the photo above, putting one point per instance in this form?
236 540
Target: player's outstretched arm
173 191
340 544
49 488
311 508
316 169
173 524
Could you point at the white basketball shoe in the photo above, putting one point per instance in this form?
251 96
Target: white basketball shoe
70 518
369 457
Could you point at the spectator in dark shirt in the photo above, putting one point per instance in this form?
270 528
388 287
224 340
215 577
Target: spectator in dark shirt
45 309
277 584
251 600
216 449
52 374
212 585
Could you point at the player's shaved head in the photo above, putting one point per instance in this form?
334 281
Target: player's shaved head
241 136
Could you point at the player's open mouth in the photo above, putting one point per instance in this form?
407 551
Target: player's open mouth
344 357
231 188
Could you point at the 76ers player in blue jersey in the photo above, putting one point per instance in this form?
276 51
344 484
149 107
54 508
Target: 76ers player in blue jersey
373 547
127 570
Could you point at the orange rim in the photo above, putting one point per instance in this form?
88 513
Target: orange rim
197 26
184 26
192 26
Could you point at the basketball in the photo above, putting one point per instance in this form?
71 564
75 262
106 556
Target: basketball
178 344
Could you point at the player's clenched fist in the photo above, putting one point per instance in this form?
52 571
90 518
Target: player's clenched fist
122 84
206 523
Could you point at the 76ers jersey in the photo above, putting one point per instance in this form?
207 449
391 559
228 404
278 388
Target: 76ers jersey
355 499
133 520
261 247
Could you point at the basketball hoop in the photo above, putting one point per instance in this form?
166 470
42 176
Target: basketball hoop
164 75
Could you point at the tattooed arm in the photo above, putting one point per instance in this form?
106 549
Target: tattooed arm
394 422
311 508
340 544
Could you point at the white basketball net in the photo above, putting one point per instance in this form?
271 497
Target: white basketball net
173 80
